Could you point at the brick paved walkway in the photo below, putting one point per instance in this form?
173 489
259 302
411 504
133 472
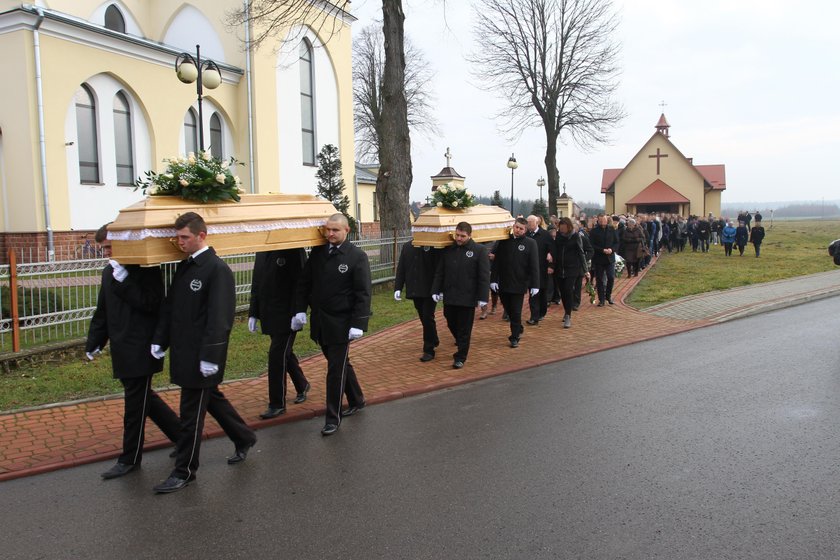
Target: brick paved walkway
59 436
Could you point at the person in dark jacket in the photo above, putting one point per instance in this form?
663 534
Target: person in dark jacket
588 252
462 281
569 265
195 323
515 271
634 247
757 237
416 271
605 244
126 315
703 233
742 234
539 303
336 287
273 286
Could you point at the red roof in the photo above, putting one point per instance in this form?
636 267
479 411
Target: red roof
715 175
658 192
609 178
663 122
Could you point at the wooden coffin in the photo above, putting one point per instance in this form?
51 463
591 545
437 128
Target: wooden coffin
144 233
435 227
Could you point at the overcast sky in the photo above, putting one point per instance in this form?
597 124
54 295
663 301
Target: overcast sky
747 83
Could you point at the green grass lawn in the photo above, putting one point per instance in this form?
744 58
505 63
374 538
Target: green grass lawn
790 249
64 380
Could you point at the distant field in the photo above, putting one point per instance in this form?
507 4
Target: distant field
790 248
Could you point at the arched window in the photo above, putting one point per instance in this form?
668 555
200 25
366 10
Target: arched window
216 147
114 19
86 135
307 103
190 132
123 140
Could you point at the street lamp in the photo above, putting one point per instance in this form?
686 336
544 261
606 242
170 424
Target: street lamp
513 165
205 74
541 184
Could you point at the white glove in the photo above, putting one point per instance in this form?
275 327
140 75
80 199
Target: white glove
482 304
252 324
437 297
92 354
534 291
494 286
157 352
120 273
397 296
298 321
207 369
354 333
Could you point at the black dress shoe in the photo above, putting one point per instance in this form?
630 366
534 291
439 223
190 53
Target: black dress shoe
427 357
329 429
350 411
514 343
301 397
611 302
272 412
240 454
118 470
173 484
600 304
532 322
457 364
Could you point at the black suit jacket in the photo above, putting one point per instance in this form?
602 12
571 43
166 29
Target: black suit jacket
516 267
338 290
196 319
416 270
603 238
273 287
126 315
463 275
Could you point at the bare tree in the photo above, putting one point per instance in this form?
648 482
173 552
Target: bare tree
368 63
555 63
272 17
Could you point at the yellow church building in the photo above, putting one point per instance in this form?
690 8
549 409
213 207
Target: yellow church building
660 179
91 100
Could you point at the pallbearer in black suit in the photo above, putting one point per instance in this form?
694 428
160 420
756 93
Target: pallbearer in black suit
195 323
273 287
336 286
462 281
516 271
416 271
126 315
539 302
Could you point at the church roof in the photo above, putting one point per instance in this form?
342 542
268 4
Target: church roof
658 192
715 175
447 172
663 122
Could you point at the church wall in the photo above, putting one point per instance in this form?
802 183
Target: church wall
713 203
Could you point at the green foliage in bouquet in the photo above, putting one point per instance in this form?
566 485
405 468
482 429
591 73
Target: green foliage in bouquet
455 198
200 178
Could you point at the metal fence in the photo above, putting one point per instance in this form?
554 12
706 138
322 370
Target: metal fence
57 299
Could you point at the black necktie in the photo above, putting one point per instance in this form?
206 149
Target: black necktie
333 249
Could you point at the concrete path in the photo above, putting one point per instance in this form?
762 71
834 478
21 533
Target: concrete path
64 435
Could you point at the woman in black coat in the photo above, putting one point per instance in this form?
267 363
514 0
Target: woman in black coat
634 247
741 236
569 264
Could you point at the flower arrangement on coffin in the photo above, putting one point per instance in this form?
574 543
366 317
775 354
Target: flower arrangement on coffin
454 198
200 178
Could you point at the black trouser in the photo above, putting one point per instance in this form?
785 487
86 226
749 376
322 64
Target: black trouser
604 278
757 249
341 380
704 243
425 307
195 404
567 288
727 248
460 320
577 290
142 402
741 248
282 360
538 304
513 306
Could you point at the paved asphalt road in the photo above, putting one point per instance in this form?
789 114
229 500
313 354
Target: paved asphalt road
713 444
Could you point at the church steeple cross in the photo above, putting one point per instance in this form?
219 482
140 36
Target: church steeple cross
658 156
448 156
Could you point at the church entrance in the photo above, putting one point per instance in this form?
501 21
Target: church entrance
658 209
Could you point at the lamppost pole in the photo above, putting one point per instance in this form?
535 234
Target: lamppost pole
512 165
191 69
541 184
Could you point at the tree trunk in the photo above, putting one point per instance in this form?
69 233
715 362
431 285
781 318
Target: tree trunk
551 172
394 180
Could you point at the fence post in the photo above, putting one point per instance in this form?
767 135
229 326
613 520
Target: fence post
13 300
395 252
